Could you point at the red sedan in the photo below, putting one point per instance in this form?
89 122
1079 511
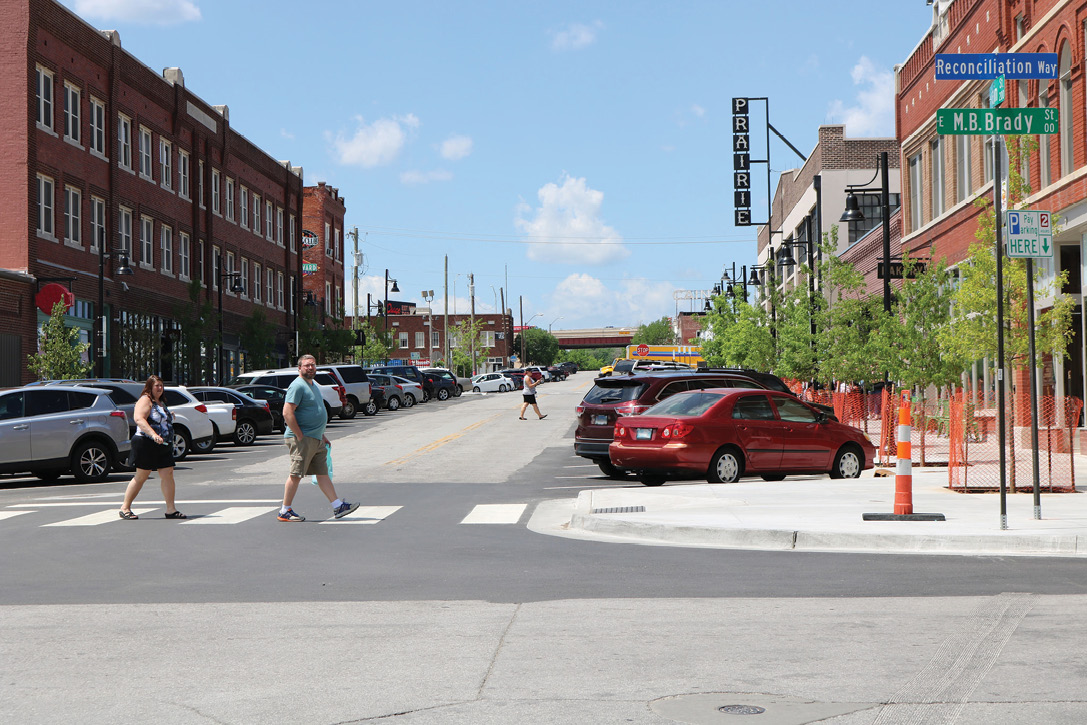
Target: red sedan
726 433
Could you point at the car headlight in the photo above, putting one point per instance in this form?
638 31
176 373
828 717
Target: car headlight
867 437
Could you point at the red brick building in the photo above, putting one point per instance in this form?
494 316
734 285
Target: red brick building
409 332
944 175
106 151
323 211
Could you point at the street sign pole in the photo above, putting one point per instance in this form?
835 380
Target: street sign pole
1033 392
1000 410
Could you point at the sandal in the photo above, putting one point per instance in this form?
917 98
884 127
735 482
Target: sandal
176 515
543 416
522 418
127 515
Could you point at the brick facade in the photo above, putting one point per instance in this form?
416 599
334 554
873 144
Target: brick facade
411 325
323 211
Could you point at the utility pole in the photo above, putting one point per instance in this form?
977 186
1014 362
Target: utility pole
521 305
445 319
509 340
354 234
472 317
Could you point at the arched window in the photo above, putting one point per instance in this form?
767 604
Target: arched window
1065 89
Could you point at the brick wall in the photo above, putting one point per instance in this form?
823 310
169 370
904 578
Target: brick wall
323 205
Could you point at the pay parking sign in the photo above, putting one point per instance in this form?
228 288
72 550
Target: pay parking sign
1030 234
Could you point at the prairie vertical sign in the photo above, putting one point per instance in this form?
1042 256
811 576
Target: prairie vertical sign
741 161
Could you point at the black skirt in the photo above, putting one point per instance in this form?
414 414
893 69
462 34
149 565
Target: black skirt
150 456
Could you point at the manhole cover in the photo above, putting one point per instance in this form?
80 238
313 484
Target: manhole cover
741 709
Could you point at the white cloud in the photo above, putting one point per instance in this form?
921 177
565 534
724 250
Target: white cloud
374 144
575 36
456 147
286 134
154 12
425 177
698 110
583 300
873 113
568 219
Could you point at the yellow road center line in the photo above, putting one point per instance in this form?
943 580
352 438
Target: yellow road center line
440 442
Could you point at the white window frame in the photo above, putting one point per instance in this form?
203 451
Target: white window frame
216 266
184 271
98 222
73 217
200 267
279 226
256 214
338 311
268 222
269 287
420 338
166 249
124 141
963 178
147 169
200 183
328 298
279 291
147 242
243 205
916 209
98 128
47 207
243 267
72 113
216 206
183 174
124 230
402 341
1067 131
258 282
936 150
336 244
229 199
328 239
290 233
435 339
166 163
44 98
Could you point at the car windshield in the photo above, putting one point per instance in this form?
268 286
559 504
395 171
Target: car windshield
614 392
685 404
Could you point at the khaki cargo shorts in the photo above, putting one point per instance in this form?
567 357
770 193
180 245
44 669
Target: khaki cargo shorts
308 457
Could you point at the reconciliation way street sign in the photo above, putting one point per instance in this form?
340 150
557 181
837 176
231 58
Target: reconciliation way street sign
1005 121
1030 234
986 66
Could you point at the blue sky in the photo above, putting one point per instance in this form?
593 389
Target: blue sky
580 151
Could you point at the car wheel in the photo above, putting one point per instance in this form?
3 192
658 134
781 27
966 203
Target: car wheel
349 410
502 388
848 463
393 403
727 466
610 470
203 448
443 394
183 444
457 391
328 413
91 462
409 400
651 479
245 433
370 408
773 476
475 389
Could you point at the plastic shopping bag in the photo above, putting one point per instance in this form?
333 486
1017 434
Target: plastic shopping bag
328 460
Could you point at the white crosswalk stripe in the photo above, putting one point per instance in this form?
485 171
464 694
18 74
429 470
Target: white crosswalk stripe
366 515
232 515
10 514
495 513
98 518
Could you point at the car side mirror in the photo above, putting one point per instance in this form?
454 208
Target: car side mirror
821 417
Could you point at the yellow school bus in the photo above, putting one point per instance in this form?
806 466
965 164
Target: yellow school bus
691 355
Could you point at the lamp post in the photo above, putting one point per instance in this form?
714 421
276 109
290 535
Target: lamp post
560 317
237 288
428 297
524 328
385 312
787 260
122 270
853 213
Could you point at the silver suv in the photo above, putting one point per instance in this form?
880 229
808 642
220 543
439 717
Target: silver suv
49 430
356 386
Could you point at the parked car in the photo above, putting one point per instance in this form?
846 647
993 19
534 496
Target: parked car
613 397
517 375
410 372
725 433
331 391
356 388
413 392
224 418
538 371
391 393
626 367
491 383
252 417
192 426
462 382
773 382
570 367
556 372
272 396
441 387
607 369
50 430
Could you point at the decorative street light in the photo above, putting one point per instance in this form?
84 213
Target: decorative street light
428 297
237 288
121 269
560 317
853 213
385 311
524 360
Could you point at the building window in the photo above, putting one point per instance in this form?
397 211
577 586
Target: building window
915 192
124 230
328 298
872 207
279 226
336 244
269 286
402 341
1046 177
216 269
183 270
290 231
98 222
328 239
258 279
420 339
145 153
245 277
962 167
166 237
488 339
124 142
243 199
166 164
230 199
183 174
435 340
73 202
215 208
279 291
256 214
268 221
1065 90
45 206
200 263
147 242
45 99
98 127
200 183
71 113
338 312
936 149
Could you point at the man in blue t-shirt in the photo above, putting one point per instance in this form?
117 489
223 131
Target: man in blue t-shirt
304 418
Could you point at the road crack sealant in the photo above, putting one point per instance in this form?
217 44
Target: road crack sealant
498 651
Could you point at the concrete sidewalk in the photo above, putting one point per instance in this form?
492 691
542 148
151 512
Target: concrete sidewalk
819 514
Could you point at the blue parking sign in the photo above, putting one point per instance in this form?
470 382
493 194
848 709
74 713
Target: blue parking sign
1013 222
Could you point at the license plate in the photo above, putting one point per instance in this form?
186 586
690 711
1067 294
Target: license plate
643 434
600 420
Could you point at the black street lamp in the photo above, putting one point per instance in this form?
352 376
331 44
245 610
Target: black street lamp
853 213
237 288
385 312
788 260
121 269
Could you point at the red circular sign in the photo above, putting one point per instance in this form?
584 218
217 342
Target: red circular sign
642 350
51 294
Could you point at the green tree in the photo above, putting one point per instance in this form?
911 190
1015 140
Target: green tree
740 334
195 320
377 347
61 355
541 347
468 346
591 359
658 332
796 350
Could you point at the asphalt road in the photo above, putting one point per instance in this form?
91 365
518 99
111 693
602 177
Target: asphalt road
414 614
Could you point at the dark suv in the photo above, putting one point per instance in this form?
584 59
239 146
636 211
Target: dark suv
611 398
412 373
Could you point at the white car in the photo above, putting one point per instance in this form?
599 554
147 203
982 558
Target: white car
333 393
193 429
413 391
224 418
491 383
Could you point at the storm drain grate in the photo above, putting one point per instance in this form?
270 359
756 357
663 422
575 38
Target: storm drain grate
741 709
621 510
